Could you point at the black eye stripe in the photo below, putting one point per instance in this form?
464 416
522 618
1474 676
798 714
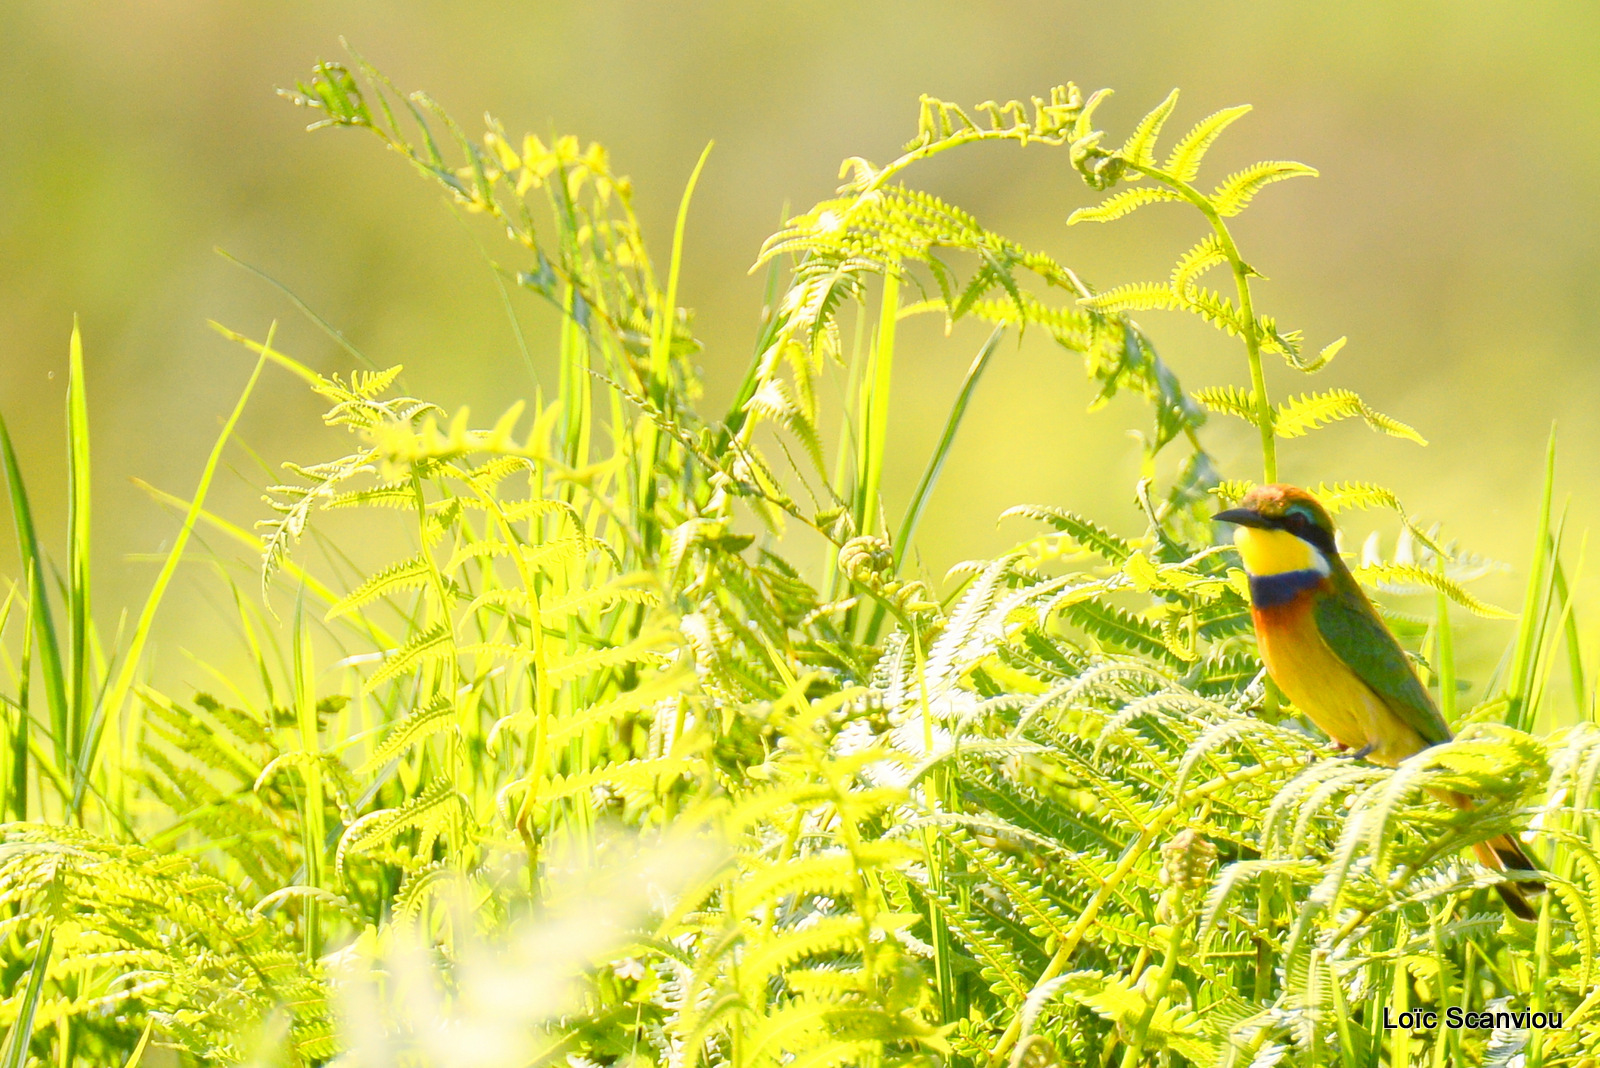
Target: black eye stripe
1301 526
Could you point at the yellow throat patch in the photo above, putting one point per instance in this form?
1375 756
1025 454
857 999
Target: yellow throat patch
1272 552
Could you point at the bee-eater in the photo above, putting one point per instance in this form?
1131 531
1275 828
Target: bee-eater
1331 654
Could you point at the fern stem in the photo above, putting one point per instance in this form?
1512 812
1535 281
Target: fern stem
1266 415
936 853
1169 967
543 695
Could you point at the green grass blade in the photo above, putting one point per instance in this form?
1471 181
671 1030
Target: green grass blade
288 363
666 315
1556 629
849 447
39 613
78 550
137 1056
1569 628
313 826
305 309
576 388
662 326
14 780
952 423
16 1048
141 631
324 593
874 415
1534 603
747 388
874 420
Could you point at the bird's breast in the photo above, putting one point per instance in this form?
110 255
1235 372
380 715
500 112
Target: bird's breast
1307 671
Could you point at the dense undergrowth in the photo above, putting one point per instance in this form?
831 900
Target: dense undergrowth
594 775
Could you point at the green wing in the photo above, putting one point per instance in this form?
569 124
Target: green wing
1356 634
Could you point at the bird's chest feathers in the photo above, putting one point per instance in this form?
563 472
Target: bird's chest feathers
1286 575
1309 673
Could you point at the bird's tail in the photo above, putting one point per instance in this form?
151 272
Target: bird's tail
1504 853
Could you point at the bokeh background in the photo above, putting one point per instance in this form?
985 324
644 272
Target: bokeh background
1454 235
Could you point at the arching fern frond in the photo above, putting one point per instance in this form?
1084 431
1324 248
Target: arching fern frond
1126 202
1229 400
1184 162
1139 148
1302 414
1239 188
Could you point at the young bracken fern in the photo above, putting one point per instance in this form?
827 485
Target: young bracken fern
1046 812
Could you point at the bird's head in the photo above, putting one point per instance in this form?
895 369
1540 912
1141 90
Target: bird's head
1282 528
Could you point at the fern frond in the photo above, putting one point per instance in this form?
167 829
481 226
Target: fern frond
630 590
420 724
1229 400
534 508
1322 359
1233 490
1139 148
1126 202
1213 307
643 650
1110 547
418 885
1197 261
1409 575
1239 188
405 575
1302 414
399 495
154 935
824 935
430 644
996 959
773 401
432 813
1340 496
1119 627
1184 162
283 532
635 780
1135 296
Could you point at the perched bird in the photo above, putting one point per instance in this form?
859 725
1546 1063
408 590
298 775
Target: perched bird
1331 654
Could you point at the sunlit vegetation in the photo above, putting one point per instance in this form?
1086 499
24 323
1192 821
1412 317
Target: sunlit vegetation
595 774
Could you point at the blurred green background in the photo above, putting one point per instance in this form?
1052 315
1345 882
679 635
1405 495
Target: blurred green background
1453 234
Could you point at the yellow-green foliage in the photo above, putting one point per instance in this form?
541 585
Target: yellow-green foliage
1043 811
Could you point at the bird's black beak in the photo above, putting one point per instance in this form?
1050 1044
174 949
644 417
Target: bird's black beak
1244 517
